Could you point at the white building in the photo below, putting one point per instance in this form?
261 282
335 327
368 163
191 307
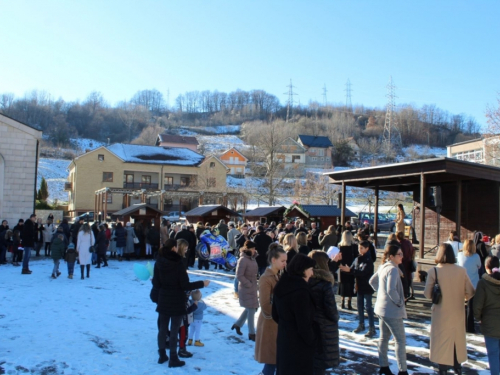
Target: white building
19 144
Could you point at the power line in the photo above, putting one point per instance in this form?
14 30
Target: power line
324 95
348 102
289 106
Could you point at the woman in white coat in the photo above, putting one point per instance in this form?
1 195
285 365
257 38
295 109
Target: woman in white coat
48 231
85 240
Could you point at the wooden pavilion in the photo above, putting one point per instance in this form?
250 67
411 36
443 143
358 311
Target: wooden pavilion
448 194
265 214
322 214
211 214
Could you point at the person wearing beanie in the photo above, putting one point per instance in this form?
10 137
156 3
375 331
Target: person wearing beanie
70 259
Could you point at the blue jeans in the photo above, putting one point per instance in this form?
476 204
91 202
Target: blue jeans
269 369
56 267
365 300
396 327
71 268
262 270
26 257
493 349
235 284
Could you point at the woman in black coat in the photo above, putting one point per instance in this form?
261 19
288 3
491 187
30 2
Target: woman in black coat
102 244
293 310
172 282
349 251
326 315
121 240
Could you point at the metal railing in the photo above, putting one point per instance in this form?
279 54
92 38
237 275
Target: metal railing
139 185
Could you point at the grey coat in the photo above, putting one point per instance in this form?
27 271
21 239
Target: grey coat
390 295
327 241
129 247
246 273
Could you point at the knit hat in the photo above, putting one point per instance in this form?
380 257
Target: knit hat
71 246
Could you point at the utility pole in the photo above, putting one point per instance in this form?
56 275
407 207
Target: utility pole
168 98
391 132
348 102
324 95
289 106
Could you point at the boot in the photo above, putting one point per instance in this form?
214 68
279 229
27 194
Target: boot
349 305
175 361
360 328
198 343
82 269
190 342
403 373
54 276
70 276
458 370
343 305
371 332
238 329
385 371
88 270
25 271
183 353
163 356
442 371
251 336
58 273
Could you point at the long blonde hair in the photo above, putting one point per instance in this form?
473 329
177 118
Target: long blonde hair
469 248
346 239
290 242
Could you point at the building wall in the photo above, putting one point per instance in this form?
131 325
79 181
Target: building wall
18 157
234 161
180 145
318 156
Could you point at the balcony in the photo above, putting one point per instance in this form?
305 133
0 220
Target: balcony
177 187
68 186
139 185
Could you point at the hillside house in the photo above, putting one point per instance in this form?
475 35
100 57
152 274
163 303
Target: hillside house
19 153
114 177
318 152
235 161
177 141
292 155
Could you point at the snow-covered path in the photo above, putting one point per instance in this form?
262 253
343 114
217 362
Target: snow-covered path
107 325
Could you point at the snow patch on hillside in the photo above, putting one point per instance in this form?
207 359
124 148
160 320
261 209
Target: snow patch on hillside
213 144
55 172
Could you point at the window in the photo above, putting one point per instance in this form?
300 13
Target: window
100 157
110 198
212 164
169 180
184 181
327 159
322 159
146 179
129 178
211 182
314 158
107 176
295 158
321 152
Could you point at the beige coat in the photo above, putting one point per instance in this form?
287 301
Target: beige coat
164 236
400 222
267 329
448 317
246 273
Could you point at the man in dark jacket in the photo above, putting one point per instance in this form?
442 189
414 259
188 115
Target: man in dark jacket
314 232
223 229
262 242
28 237
172 282
153 238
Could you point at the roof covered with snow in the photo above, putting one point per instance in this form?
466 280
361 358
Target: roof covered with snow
315 141
264 211
170 138
155 155
205 210
136 207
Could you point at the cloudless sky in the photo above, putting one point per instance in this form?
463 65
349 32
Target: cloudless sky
438 52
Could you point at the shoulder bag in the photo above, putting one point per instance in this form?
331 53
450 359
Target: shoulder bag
436 290
91 248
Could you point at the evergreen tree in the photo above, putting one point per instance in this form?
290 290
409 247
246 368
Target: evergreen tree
44 190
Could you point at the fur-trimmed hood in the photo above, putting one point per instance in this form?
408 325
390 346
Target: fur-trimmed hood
323 275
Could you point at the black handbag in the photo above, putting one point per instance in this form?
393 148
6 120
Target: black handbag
436 291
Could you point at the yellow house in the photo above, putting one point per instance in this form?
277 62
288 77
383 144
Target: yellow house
167 178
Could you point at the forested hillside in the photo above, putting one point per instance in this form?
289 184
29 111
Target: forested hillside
148 111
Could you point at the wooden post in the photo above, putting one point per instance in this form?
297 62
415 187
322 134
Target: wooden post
96 197
422 214
342 209
459 208
375 217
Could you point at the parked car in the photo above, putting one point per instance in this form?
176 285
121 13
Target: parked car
175 216
385 224
87 217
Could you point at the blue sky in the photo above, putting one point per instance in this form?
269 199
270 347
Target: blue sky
438 52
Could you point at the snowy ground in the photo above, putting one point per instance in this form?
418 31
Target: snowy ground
219 143
107 325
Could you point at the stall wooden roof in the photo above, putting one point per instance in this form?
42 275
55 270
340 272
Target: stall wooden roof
401 177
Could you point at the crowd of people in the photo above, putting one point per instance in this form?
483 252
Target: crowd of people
292 273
